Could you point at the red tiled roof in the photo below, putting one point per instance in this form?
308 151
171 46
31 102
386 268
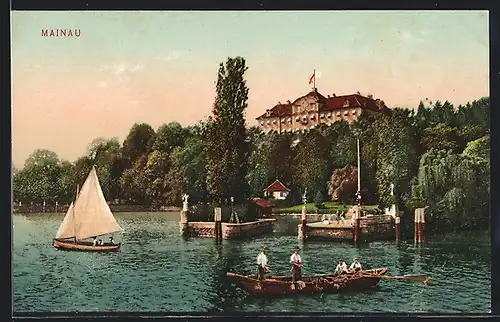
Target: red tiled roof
261 202
354 100
330 104
276 186
278 110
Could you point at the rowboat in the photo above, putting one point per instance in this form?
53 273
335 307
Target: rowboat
87 216
327 283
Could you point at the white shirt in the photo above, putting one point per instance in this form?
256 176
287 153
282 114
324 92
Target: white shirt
355 265
341 268
295 258
262 260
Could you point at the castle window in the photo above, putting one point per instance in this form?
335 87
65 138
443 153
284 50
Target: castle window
338 113
312 117
354 112
346 103
268 122
261 122
322 115
289 120
282 120
330 114
297 118
304 117
345 112
274 121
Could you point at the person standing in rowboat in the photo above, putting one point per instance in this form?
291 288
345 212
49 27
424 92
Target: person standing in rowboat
296 263
262 267
341 268
355 266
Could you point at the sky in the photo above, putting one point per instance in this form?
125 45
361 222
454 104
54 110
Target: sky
159 67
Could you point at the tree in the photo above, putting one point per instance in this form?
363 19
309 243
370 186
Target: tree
138 142
169 136
227 143
310 166
479 149
343 184
439 137
396 155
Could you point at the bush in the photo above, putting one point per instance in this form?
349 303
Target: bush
318 200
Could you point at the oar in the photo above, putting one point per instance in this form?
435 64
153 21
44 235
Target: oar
411 278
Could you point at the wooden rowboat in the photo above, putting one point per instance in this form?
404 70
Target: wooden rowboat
85 246
327 283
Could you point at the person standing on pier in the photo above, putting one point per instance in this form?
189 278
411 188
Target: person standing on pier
262 267
296 263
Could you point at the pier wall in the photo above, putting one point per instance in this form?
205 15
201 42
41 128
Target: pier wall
380 227
232 230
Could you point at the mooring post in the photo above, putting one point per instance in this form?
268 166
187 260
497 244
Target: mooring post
416 220
57 204
397 222
43 208
356 225
218 224
421 226
303 224
184 222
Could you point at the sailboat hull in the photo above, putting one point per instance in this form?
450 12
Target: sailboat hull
82 246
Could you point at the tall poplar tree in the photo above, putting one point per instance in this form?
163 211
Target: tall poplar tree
228 147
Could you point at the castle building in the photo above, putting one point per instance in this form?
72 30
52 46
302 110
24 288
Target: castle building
314 109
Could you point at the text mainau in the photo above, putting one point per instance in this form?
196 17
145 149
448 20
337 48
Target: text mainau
61 32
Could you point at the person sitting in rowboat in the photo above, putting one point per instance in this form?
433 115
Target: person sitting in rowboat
94 241
100 243
262 267
341 268
355 266
296 263
111 240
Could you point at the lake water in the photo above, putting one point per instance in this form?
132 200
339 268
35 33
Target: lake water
157 270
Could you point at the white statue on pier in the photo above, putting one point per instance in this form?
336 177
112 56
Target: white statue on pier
392 189
304 197
185 205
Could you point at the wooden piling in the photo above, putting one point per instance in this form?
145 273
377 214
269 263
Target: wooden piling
184 223
397 222
356 226
218 224
421 238
303 224
417 219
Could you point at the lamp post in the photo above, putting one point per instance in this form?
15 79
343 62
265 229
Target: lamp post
232 206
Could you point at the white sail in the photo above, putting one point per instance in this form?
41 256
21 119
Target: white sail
91 213
67 228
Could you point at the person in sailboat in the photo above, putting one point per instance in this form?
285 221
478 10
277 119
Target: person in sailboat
355 266
296 263
341 268
262 261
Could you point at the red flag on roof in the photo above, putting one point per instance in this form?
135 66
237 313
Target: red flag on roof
312 77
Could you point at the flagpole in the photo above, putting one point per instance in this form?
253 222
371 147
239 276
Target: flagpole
314 79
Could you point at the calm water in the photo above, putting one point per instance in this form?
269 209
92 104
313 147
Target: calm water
157 270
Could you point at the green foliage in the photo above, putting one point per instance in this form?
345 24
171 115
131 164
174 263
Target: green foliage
479 149
318 200
455 188
396 155
228 148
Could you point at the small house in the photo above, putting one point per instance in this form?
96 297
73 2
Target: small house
277 190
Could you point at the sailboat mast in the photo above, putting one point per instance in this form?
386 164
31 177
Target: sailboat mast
359 169
74 202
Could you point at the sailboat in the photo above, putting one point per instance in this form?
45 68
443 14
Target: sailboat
88 216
